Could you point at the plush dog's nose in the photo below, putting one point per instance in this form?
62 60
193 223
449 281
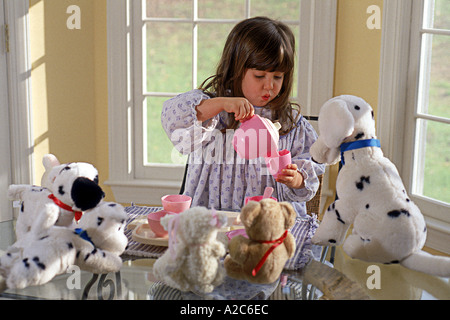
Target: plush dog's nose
86 194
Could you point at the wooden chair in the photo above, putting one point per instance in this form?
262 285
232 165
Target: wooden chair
313 205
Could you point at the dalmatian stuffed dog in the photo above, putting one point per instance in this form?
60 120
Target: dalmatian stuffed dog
72 188
94 245
387 226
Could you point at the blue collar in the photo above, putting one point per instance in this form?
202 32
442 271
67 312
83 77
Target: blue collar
358 145
83 235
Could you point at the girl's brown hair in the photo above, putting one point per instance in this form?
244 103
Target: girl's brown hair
263 44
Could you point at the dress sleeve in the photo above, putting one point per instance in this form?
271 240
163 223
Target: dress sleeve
179 120
302 139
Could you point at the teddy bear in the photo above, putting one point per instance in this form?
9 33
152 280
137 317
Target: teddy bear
192 262
95 245
387 226
72 188
261 257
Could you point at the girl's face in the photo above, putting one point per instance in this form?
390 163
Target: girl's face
260 87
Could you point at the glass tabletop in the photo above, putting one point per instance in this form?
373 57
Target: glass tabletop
135 281
347 280
344 278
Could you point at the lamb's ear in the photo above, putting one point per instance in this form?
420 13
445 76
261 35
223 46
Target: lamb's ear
335 122
166 220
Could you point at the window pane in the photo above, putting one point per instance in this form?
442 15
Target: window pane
229 9
169 57
432 161
158 148
276 9
439 92
169 8
211 40
441 14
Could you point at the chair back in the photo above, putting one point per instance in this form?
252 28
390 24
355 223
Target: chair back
313 205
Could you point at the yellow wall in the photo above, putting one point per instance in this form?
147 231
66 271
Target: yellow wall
69 76
357 51
357 58
69 84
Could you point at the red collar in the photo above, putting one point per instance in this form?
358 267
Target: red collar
276 243
64 206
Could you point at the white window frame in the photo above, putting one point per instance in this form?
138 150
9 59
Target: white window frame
398 97
315 86
19 93
19 71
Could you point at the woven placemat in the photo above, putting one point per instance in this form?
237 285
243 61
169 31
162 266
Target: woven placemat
135 248
302 231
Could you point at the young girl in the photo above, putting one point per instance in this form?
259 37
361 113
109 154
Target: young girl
254 76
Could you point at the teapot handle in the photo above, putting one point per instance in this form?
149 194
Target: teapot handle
277 125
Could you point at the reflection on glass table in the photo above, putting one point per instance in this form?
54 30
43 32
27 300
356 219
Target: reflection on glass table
348 280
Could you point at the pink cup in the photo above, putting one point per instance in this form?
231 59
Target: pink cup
176 203
257 198
154 222
278 163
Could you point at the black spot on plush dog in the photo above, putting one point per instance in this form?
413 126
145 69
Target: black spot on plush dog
397 213
360 183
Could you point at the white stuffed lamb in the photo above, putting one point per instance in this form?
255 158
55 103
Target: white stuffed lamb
95 245
387 226
192 262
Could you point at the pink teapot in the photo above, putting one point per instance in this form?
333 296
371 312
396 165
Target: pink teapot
257 137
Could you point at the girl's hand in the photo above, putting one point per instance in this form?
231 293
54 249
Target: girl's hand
241 108
291 177
209 108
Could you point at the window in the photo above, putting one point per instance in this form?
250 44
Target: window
160 48
420 106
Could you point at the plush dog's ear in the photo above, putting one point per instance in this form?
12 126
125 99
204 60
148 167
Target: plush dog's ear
50 162
335 122
321 153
